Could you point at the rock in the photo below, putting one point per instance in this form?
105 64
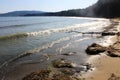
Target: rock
114 50
61 63
95 49
83 68
61 77
113 54
46 75
70 53
88 67
114 77
39 75
68 71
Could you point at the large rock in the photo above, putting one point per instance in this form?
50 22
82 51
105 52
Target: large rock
114 50
95 49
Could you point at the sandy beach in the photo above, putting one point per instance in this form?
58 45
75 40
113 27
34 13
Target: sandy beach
107 68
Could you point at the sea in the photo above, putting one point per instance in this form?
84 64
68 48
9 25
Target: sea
22 36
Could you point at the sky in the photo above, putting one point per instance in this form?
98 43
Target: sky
43 5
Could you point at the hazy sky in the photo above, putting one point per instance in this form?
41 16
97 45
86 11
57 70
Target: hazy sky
43 5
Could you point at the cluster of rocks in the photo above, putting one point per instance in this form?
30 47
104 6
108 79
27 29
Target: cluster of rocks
64 70
95 49
69 68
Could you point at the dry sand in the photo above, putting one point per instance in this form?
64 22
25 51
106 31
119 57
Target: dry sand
107 68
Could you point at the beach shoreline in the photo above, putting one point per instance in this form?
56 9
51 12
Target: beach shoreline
107 68
72 57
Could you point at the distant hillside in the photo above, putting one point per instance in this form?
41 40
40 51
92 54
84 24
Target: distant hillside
103 8
21 13
107 8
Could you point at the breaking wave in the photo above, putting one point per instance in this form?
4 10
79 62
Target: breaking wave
52 31
14 36
67 29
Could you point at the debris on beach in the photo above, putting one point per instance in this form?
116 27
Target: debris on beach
95 49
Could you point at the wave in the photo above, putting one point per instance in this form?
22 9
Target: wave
88 26
11 26
64 47
20 25
44 47
40 49
48 32
14 36
30 24
69 28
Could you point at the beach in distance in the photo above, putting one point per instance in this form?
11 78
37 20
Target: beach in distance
37 45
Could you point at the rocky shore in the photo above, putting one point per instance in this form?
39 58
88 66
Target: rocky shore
105 62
